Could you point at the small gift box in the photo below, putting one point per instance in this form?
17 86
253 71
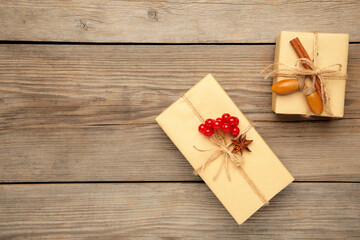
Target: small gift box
244 174
318 61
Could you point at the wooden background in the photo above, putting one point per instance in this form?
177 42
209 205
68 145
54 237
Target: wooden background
81 83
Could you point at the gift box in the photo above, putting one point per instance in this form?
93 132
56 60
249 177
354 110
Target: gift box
243 188
326 51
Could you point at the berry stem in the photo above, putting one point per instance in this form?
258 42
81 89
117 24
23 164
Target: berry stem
219 133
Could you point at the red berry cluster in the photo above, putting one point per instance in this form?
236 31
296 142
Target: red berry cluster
226 123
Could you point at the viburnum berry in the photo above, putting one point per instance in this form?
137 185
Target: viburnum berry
221 121
225 127
217 124
233 121
209 122
237 121
202 128
225 117
235 131
208 132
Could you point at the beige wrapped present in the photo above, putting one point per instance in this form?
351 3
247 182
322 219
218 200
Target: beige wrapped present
261 175
332 49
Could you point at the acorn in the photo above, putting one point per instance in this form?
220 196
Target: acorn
314 100
286 86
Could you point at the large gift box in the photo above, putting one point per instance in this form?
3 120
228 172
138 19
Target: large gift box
243 188
326 51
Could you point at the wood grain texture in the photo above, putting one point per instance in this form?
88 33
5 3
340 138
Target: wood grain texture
173 21
86 112
174 210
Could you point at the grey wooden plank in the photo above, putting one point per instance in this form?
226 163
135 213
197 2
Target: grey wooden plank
323 151
86 113
139 79
173 210
177 21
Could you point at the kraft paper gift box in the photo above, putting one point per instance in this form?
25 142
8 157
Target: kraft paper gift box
332 49
260 167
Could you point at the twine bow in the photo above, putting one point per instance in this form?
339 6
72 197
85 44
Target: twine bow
298 71
222 149
325 73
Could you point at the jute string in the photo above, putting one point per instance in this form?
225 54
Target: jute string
222 150
307 86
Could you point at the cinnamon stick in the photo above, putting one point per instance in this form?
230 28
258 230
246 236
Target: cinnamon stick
301 52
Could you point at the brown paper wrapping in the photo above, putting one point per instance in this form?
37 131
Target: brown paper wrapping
262 166
332 49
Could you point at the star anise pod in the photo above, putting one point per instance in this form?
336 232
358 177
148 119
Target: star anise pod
241 144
